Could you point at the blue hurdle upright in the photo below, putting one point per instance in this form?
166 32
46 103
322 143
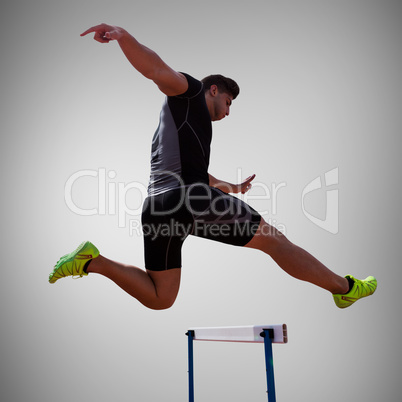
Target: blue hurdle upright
267 334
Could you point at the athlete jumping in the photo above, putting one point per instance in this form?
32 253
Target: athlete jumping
184 199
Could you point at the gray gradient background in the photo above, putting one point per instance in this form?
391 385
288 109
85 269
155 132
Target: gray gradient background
321 89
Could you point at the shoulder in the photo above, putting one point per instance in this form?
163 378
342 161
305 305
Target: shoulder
195 87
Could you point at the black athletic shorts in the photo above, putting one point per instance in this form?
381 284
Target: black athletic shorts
199 210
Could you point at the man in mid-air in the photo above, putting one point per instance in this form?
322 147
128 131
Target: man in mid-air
184 199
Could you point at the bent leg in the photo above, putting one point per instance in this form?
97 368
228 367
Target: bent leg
296 261
154 289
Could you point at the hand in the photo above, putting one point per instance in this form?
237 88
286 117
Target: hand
244 186
105 33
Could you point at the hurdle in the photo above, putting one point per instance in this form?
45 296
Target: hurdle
267 334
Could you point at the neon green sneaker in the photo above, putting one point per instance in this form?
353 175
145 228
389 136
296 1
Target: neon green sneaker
361 288
73 264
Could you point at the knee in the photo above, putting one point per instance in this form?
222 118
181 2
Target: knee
275 239
166 287
161 303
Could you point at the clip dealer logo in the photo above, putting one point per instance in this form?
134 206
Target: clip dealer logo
330 223
97 192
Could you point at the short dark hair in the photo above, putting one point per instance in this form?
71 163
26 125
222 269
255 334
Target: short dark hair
224 84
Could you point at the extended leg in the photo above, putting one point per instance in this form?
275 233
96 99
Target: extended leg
296 261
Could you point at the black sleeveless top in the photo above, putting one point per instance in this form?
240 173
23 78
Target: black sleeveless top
181 144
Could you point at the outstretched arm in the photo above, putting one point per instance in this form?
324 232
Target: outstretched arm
231 188
143 59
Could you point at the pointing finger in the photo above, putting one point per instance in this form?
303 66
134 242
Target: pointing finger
89 30
96 28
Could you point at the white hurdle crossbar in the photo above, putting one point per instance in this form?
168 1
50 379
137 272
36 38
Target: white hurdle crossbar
267 334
